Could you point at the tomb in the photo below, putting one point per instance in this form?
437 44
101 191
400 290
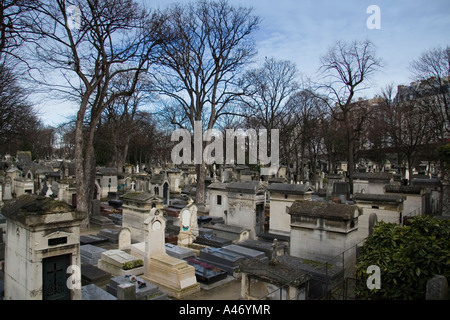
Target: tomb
42 249
97 219
282 195
118 262
322 231
136 207
233 233
173 276
90 254
92 275
225 260
206 273
143 290
188 224
246 202
93 292
111 234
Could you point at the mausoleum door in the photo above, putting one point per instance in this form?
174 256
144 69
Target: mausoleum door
165 192
54 278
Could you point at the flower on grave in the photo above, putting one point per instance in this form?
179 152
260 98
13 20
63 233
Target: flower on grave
133 279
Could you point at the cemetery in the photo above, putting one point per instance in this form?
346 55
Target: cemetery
149 241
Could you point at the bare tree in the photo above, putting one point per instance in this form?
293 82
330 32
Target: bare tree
347 68
199 69
107 39
267 90
432 70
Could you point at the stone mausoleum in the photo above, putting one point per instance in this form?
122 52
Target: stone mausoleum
42 258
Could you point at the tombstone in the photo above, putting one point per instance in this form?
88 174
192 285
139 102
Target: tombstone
49 192
42 242
93 292
246 252
96 218
172 275
118 262
225 260
208 239
179 252
7 192
188 224
127 287
111 234
90 254
437 288
90 274
92 239
206 273
124 238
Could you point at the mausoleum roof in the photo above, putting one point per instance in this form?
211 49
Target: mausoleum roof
328 210
289 188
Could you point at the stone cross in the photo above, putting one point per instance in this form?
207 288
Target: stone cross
132 185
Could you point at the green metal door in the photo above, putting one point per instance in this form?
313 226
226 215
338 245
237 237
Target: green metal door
54 286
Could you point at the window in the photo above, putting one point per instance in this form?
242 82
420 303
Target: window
219 200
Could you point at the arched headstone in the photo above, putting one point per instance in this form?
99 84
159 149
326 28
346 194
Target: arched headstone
124 238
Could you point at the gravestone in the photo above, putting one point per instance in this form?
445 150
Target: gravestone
93 292
96 218
124 238
188 224
143 290
246 252
179 252
437 288
111 234
92 275
92 239
118 262
173 276
225 260
90 254
205 272
208 239
234 233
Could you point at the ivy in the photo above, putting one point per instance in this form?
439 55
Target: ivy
408 256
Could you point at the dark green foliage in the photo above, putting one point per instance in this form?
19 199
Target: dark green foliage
408 256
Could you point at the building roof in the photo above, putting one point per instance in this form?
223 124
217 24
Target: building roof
246 187
373 176
218 186
286 188
403 189
320 209
377 197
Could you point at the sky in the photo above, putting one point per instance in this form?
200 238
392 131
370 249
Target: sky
303 30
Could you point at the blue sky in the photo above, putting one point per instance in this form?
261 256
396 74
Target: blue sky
302 31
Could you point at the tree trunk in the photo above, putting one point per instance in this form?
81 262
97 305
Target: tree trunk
201 175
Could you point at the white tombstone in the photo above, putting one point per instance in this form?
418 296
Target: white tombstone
188 224
124 240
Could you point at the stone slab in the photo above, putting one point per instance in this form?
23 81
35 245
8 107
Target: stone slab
117 257
206 273
109 233
213 241
143 288
246 252
179 252
92 239
92 274
90 253
221 256
93 292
